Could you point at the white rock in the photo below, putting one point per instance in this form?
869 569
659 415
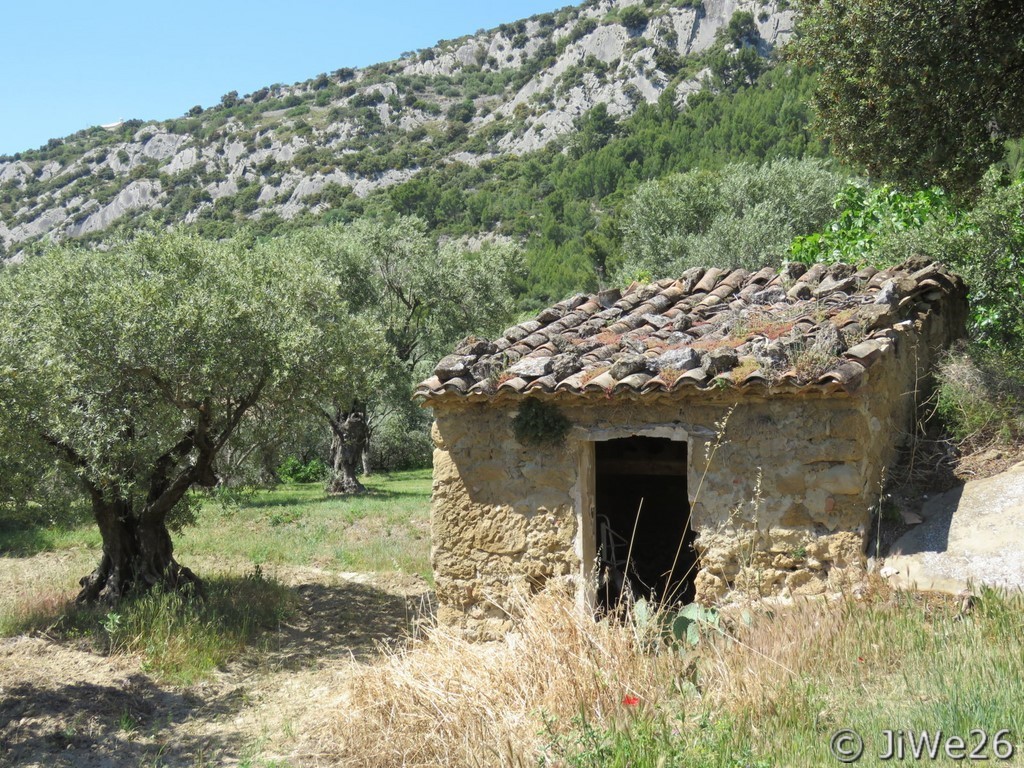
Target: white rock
14 171
233 151
47 221
182 161
225 188
141 193
49 170
163 146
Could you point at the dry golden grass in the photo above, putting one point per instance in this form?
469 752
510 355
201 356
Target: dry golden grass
447 701
746 366
746 672
36 588
770 690
714 344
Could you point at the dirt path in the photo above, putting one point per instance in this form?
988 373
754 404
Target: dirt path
61 704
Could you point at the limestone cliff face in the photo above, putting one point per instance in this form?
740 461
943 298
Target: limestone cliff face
290 150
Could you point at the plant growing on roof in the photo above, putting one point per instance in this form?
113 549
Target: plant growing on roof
541 424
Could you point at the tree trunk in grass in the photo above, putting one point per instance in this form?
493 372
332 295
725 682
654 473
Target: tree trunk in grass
367 464
348 441
137 556
137 385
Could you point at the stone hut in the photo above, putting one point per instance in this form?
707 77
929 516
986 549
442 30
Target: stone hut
725 431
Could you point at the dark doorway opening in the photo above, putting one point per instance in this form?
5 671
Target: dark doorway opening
645 475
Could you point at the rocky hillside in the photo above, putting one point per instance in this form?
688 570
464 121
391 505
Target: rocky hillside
286 151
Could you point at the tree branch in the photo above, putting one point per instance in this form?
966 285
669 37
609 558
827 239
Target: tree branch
163 466
72 457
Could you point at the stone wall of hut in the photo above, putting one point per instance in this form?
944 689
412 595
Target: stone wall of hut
781 486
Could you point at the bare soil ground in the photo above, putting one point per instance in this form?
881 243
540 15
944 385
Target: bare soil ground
62 704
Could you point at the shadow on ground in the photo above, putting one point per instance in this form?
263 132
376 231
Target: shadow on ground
62 705
351 620
129 723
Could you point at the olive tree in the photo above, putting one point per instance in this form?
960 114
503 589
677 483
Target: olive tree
420 297
134 367
739 216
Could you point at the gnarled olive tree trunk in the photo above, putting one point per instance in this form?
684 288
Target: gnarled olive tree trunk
349 436
137 550
367 463
137 556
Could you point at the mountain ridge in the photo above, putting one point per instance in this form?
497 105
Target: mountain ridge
284 151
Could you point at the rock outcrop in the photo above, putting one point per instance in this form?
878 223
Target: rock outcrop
538 76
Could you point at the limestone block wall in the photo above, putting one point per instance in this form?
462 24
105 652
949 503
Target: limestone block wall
777 489
502 517
777 484
902 381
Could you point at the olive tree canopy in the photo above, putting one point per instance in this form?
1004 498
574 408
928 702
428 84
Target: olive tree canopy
133 368
420 296
740 215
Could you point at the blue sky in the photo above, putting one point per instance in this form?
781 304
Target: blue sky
69 64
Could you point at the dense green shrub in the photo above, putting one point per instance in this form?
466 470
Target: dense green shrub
980 396
461 112
634 18
984 243
741 29
918 92
294 470
582 29
981 386
400 441
868 219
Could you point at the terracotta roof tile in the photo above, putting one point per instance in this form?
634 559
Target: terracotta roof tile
708 328
708 281
602 381
762 277
544 383
515 384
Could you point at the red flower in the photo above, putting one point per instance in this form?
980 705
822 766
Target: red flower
630 701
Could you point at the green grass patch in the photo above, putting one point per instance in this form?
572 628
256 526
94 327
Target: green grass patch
29 540
298 524
35 529
778 691
179 638
904 661
646 739
293 524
